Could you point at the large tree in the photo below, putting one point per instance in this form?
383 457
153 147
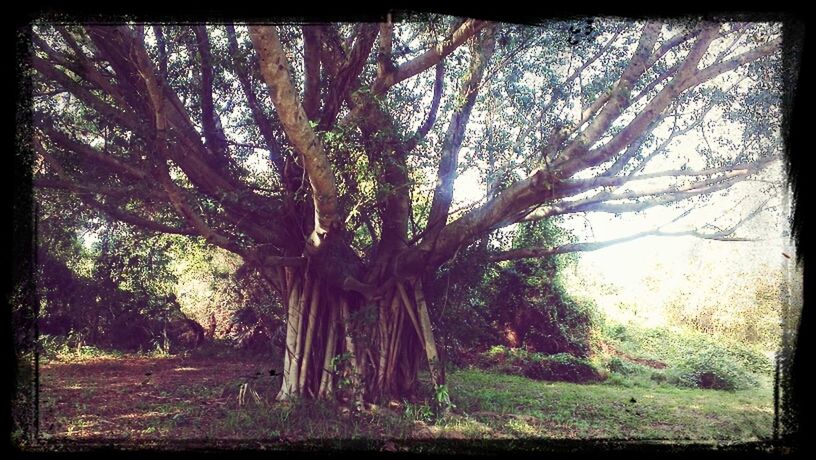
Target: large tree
325 155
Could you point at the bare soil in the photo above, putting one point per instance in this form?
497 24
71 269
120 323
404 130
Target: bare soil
140 397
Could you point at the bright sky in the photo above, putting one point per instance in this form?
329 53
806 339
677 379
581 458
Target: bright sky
650 271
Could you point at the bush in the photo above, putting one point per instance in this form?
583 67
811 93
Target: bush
562 367
70 347
751 360
617 332
694 359
520 303
622 367
674 345
538 366
712 369
658 377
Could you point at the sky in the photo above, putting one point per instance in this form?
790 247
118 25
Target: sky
618 274
651 271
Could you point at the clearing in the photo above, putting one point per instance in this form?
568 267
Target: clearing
142 398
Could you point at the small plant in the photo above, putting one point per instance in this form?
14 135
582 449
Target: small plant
442 402
618 332
623 367
162 345
418 412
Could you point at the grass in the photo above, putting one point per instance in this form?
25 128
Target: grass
487 406
90 394
572 416
673 345
516 405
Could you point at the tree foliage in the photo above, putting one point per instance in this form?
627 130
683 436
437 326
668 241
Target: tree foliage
518 303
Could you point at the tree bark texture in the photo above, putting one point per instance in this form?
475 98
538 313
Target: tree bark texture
339 344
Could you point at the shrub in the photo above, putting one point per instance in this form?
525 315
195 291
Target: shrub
520 303
712 369
751 360
562 367
623 367
674 345
617 332
539 366
70 347
658 377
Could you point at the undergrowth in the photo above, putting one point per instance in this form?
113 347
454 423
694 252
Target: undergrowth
639 356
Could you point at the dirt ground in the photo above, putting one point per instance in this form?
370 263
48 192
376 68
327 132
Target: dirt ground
142 397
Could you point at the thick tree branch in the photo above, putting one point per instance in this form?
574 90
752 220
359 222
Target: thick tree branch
133 67
382 147
616 101
635 147
213 132
83 94
715 70
151 95
714 179
540 252
296 125
101 159
557 93
332 52
623 160
577 157
385 64
311 71
276 155
83 67
89 192
540 187
687 76
446 174
430 119
430 57
179 198
161 44
346 78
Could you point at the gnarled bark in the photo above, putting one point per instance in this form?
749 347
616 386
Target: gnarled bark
339 344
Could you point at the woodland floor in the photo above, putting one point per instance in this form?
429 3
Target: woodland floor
141 399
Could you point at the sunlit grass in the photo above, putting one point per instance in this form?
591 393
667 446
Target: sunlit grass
607 411
488 406
630 404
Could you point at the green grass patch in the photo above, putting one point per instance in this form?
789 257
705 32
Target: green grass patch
486 405
520 407
674 345
647 357
70 348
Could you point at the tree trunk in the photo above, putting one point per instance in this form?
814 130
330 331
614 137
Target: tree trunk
339 345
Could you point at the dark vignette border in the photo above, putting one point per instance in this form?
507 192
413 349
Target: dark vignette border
792 423
22 314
